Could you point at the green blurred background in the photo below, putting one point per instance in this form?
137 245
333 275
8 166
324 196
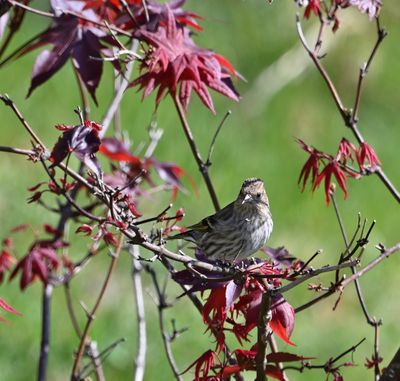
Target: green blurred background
280 102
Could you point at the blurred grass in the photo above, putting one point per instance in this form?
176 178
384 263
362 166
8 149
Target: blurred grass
252 35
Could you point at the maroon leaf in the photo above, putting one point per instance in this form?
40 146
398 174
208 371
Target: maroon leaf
282 321
69 37
84 60
40 260
83 140
85 229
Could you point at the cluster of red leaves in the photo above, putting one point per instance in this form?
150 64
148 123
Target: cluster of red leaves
172 60
176 65
63 186
41 258
103 232
234 307
150 18
336 166
320 9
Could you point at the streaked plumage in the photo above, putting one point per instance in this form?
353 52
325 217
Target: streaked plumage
238 230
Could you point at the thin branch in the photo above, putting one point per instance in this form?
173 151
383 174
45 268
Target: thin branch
30 9
274 349
347 115
314 301
112 109
311 274
385 253
18 151
92 315
71 310
45 338
162 305
263 332
202 166
360 296
364 68
93 353
8 102
101 357
214 139
84 96
140 358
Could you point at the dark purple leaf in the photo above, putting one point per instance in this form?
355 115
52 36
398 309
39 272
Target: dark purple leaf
49 62
83 140
84 60
282 321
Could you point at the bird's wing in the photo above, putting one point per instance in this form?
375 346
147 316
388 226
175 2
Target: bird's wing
207 224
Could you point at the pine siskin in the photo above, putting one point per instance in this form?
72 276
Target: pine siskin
236 231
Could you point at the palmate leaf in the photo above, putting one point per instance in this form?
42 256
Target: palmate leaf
69 37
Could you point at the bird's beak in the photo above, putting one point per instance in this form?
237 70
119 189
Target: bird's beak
247 198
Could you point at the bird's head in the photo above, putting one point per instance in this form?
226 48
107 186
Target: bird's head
252 194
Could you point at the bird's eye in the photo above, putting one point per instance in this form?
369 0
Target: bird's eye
258 195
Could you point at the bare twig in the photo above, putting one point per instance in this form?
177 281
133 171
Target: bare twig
140 358
263 332
346 114
162 305
45 338
385 253
18 151
92 315
100 357
8 102
202 166
71 309
214 139
364 68
112 109
360 296
83 94
311 274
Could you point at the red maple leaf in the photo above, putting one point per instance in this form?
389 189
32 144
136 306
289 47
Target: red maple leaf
175 64
40 260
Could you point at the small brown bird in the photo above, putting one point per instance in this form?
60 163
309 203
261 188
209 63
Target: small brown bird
236 231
